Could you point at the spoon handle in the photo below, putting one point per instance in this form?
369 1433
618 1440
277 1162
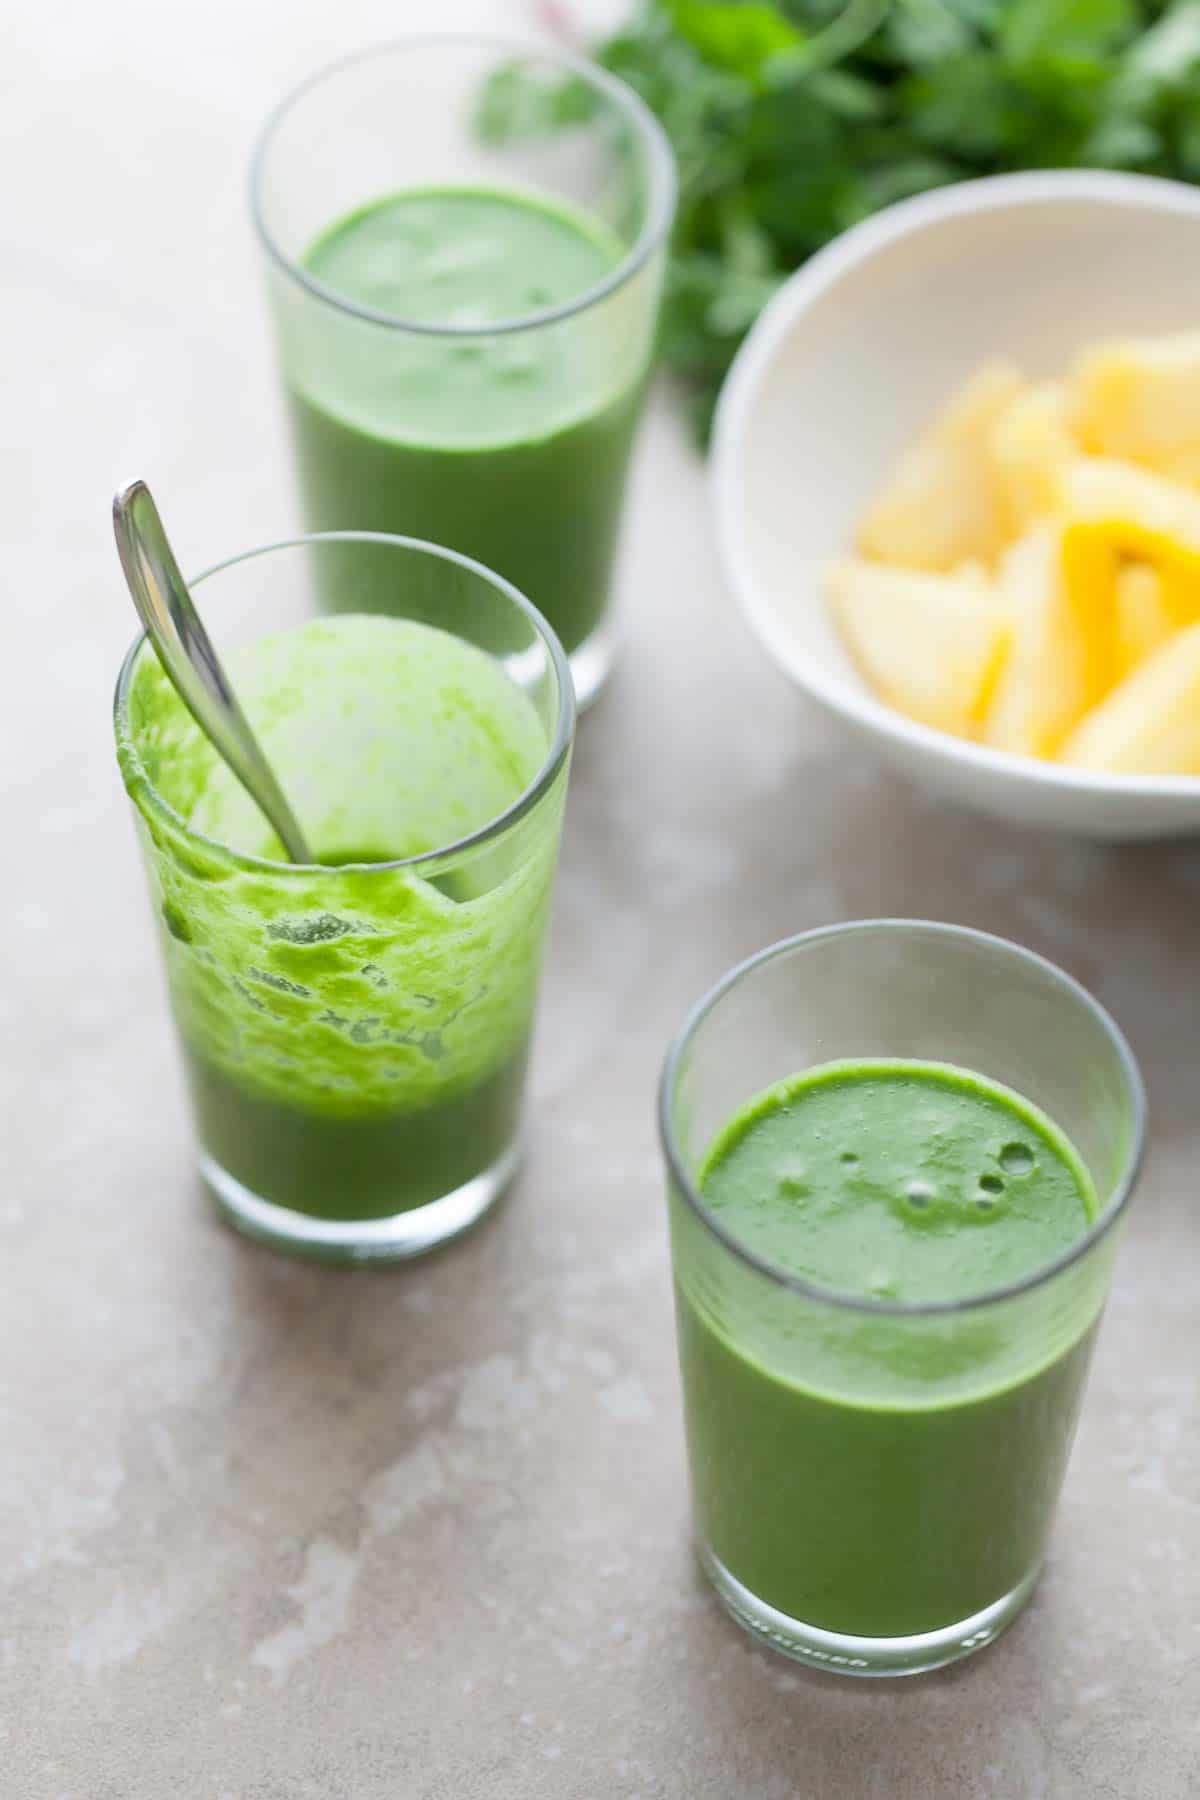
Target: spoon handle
186 652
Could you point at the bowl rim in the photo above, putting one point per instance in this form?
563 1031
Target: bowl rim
821 273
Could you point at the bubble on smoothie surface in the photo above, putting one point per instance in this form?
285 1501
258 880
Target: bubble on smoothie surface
1016 1158
920 1193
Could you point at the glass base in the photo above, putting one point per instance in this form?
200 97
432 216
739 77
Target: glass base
391 1239
591 663
844 1655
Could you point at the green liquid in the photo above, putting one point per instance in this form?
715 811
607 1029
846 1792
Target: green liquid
368 1166
910 1182
831 1489
510 448
355 1037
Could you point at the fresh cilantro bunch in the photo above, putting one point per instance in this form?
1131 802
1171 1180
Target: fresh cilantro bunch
793 119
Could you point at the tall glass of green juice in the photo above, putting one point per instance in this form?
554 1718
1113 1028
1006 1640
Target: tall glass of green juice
355 1031
464 301
897 1156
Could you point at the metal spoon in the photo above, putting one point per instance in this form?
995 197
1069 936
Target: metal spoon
185 651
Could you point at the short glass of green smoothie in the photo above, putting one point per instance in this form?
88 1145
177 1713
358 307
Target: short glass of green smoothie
897 1157
355 1031
464 242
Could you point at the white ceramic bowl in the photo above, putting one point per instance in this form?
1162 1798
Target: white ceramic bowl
846 366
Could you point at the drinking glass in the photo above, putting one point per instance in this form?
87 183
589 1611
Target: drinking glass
355 1033
874 1481
504 434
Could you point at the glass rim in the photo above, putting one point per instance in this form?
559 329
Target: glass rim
864 1303
660 214
525 801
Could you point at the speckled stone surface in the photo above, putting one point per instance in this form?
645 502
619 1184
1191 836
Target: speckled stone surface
270 1532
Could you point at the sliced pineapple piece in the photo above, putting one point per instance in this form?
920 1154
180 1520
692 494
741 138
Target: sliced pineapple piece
931 645
1153 516
940 506
1139 398
1144 614
1138 516
1150 723
1031 445
1063 655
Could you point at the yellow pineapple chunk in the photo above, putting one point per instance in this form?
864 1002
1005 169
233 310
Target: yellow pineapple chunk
1139 398
1063 655
1150 723
1152 515
931 645
1031 445
1117 512
941 506
1144 614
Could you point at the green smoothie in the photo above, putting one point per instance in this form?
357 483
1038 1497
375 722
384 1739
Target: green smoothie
510 447
355 1035
876 1479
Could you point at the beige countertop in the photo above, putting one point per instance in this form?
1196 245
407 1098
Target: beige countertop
272 1532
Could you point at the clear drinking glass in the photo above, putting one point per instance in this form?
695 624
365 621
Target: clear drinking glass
873 1481
355 1034
497 419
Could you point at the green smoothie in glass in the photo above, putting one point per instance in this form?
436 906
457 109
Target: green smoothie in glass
485 445
918 1183
889 1264
465 309
356 1034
